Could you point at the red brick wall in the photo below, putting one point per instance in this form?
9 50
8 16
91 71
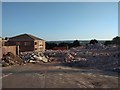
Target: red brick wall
23 45
0 48
27 47
60 48
6 49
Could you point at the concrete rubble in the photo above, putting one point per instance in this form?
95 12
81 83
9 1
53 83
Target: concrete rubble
23 58
98 56
10 59
33 57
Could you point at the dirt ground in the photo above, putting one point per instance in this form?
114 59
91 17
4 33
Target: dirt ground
54 75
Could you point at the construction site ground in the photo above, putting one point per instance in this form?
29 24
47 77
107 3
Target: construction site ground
56 75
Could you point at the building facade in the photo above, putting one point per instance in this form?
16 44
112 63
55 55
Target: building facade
27 42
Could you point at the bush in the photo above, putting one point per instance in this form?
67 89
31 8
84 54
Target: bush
76 43
94 41
116 40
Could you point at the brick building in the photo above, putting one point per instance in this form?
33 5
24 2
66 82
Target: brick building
27 42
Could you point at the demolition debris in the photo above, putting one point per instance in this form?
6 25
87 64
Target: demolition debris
99 56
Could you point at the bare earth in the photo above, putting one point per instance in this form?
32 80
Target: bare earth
56 76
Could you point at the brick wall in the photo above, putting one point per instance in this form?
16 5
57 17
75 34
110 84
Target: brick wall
6 49
39 45
0 48
60 48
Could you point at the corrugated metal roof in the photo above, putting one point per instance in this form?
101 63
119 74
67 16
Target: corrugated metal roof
24 37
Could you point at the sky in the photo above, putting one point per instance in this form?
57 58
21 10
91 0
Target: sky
55 21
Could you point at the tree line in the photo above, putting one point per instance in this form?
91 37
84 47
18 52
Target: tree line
76 43
115 40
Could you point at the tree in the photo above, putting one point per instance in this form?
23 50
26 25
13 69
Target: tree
6 38
94 41
116 40
76 43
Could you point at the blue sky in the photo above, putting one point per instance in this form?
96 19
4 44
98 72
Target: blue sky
61 21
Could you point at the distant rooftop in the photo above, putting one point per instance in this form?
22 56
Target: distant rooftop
24 37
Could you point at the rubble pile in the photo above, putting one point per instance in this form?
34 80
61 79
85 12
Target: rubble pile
33 57
24 58
55 55
104 58
103 62
96 46
10 59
